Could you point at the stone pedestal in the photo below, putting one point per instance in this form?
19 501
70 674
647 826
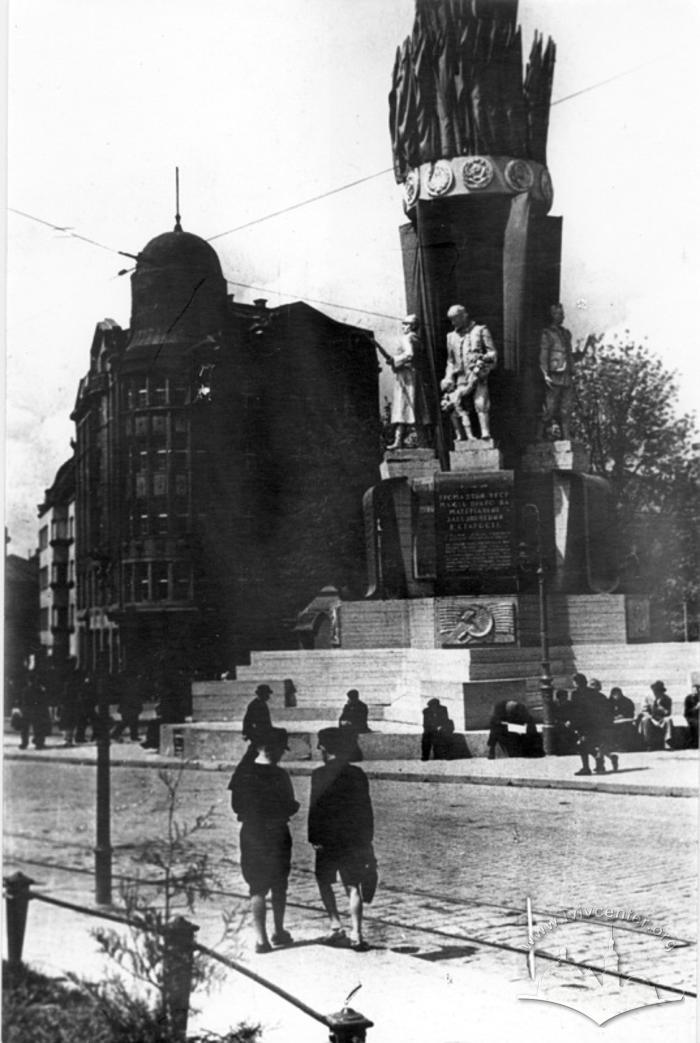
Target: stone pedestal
409 463
562 455
476 455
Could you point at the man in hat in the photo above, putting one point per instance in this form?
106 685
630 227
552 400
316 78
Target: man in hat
263 799
257 718
408 406
591 718
354 716
654 722
341 829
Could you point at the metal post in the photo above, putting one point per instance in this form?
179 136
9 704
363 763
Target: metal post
178 960
348 1026
103 844
17 896
546 678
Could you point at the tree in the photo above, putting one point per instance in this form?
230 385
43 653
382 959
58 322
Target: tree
626 412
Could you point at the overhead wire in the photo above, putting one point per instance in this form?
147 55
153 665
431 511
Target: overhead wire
68 231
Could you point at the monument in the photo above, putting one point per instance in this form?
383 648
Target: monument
494 546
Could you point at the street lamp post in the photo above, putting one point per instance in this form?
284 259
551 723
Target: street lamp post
103 842
546 690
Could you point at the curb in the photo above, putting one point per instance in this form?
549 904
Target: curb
302 770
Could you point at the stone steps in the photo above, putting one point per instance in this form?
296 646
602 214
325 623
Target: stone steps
222 741
222 706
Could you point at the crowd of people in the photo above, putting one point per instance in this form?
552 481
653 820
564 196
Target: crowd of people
598 727
68 700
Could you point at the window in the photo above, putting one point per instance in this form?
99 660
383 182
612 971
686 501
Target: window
161 461
142 392
140 486
141 426
141 582
143 525
44 619
181 580
178 393
160 580
162 523
159 393
43 537
159 425
59 574
181 485
160 484
44 577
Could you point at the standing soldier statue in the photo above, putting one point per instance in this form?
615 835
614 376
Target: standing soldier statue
471 355
408 407
557 362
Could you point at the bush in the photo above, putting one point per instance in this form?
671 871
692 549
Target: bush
47 1010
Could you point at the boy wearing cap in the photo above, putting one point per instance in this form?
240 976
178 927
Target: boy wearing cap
263 799
341 829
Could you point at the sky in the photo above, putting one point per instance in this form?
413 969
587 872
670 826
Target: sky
263 106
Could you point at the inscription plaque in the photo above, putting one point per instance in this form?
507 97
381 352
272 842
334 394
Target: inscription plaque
475 532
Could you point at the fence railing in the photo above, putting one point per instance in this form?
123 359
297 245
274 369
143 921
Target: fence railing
344 1026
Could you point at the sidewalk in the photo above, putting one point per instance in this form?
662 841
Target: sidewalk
672 773
407 999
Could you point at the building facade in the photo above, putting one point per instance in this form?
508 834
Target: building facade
57 593
221 453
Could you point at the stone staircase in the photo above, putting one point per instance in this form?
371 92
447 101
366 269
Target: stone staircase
397 682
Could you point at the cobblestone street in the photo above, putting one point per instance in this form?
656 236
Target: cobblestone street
457 864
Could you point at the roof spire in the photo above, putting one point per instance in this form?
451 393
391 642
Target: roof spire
178 226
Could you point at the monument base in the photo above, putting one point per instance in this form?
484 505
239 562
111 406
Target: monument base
478 454
562 455
409 463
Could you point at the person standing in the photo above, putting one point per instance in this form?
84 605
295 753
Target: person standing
130 707
591 718
35 713
262 797
257 720
341 829
408 405
68 713
354 717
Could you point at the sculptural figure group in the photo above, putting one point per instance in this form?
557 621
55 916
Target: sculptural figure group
471 357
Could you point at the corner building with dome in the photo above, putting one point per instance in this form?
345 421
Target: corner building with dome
221 454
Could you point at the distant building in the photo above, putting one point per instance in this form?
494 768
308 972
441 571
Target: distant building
57 595
21 623
221 454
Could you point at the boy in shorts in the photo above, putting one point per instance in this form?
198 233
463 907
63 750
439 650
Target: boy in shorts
263 798
341 829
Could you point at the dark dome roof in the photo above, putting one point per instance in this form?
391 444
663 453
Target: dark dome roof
180 249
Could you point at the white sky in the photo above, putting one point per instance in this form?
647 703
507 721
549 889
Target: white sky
264 105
